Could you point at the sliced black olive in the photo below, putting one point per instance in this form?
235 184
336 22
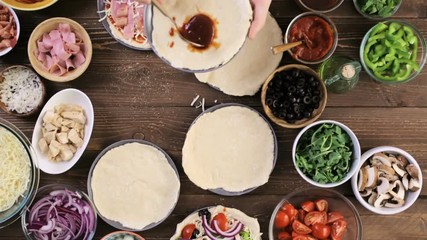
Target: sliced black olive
195 233
307 100
269 102
292 89
307 114
275 103
315 99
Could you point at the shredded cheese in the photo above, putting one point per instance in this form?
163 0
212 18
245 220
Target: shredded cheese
21 90
14 169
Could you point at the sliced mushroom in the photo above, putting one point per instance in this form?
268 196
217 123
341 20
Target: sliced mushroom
394 203
403 161
391 178
384 168
381 157
366 193
399 169
414 185
405 182
383 186
381 200
363 179
412 170
372 198
398 191
372 177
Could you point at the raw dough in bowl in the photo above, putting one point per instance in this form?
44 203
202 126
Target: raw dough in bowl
231 18
135 185
247 71
231 148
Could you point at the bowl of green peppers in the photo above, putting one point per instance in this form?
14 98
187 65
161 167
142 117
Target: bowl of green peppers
377 9
393 52
326 153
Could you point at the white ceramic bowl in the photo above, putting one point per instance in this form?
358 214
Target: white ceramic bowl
18 29
410 197
66 96
356 154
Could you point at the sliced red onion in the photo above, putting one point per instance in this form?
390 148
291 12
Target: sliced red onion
229 233
62 215
206 225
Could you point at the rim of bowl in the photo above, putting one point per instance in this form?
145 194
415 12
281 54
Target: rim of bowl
117 224
38 107
300 123
38 66
18 29
221 191
45 190
122 232
356 154
309 192
386 211
303 5
421 44
374 17
31 9
331 24
34 177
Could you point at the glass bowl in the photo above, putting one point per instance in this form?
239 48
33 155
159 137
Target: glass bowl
332 28
421 56
13 213
410 196
375 16
46 191
122 235
336 203
355 154
305 5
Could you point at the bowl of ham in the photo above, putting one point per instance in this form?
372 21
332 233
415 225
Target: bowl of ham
60 49
9 29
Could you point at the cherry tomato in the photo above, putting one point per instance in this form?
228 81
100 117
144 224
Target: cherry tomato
281 220
334 216
338 229
290 210
221 220
284 236
315 217
300 228
307 206
321 231
321 205
300 237
187 231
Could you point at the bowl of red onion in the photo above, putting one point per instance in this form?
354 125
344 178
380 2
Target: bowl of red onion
60 212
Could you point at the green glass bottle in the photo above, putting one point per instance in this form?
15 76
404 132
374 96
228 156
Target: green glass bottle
340 73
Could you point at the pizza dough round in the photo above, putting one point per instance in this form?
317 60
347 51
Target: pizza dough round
247 71
231 148
232 20
135 185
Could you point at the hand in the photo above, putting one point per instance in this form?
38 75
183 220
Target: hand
260 15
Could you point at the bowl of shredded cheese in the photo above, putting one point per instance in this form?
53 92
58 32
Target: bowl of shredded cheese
19 174
22 92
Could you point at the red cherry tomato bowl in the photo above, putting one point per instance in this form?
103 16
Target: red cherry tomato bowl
333 216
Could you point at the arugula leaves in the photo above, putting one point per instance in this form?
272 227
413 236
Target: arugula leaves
325 153
382 8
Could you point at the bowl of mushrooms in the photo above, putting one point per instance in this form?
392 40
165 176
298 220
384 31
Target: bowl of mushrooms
389 180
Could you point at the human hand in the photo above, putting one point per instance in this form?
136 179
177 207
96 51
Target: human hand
260 15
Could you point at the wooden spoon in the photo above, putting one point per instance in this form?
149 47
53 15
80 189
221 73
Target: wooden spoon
284 47
168 15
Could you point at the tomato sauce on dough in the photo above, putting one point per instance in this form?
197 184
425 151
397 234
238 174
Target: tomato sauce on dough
317 37
199 29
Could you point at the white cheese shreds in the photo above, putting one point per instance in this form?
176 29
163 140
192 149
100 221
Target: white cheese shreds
14 169
21 90
194 100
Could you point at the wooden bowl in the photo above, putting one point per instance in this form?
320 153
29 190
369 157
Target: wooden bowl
47 26
39 105
305 121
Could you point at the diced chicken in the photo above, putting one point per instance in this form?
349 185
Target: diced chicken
62 137
49 136
78 117
75 138
54 147
65 152
65 129
49 116
43 145
72 148
50 127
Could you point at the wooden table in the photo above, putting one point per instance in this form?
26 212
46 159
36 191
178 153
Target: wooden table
136 95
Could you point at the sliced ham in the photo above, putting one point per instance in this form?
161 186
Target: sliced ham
60 50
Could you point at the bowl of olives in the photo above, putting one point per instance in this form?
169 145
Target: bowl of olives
293 96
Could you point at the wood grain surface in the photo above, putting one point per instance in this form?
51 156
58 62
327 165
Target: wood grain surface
137 95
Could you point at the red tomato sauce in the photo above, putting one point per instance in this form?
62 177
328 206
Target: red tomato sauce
317 36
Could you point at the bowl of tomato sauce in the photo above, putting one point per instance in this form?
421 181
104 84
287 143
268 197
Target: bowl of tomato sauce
314 213
318 34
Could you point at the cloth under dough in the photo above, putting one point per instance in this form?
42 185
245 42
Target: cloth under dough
230 148
249 69
134 184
